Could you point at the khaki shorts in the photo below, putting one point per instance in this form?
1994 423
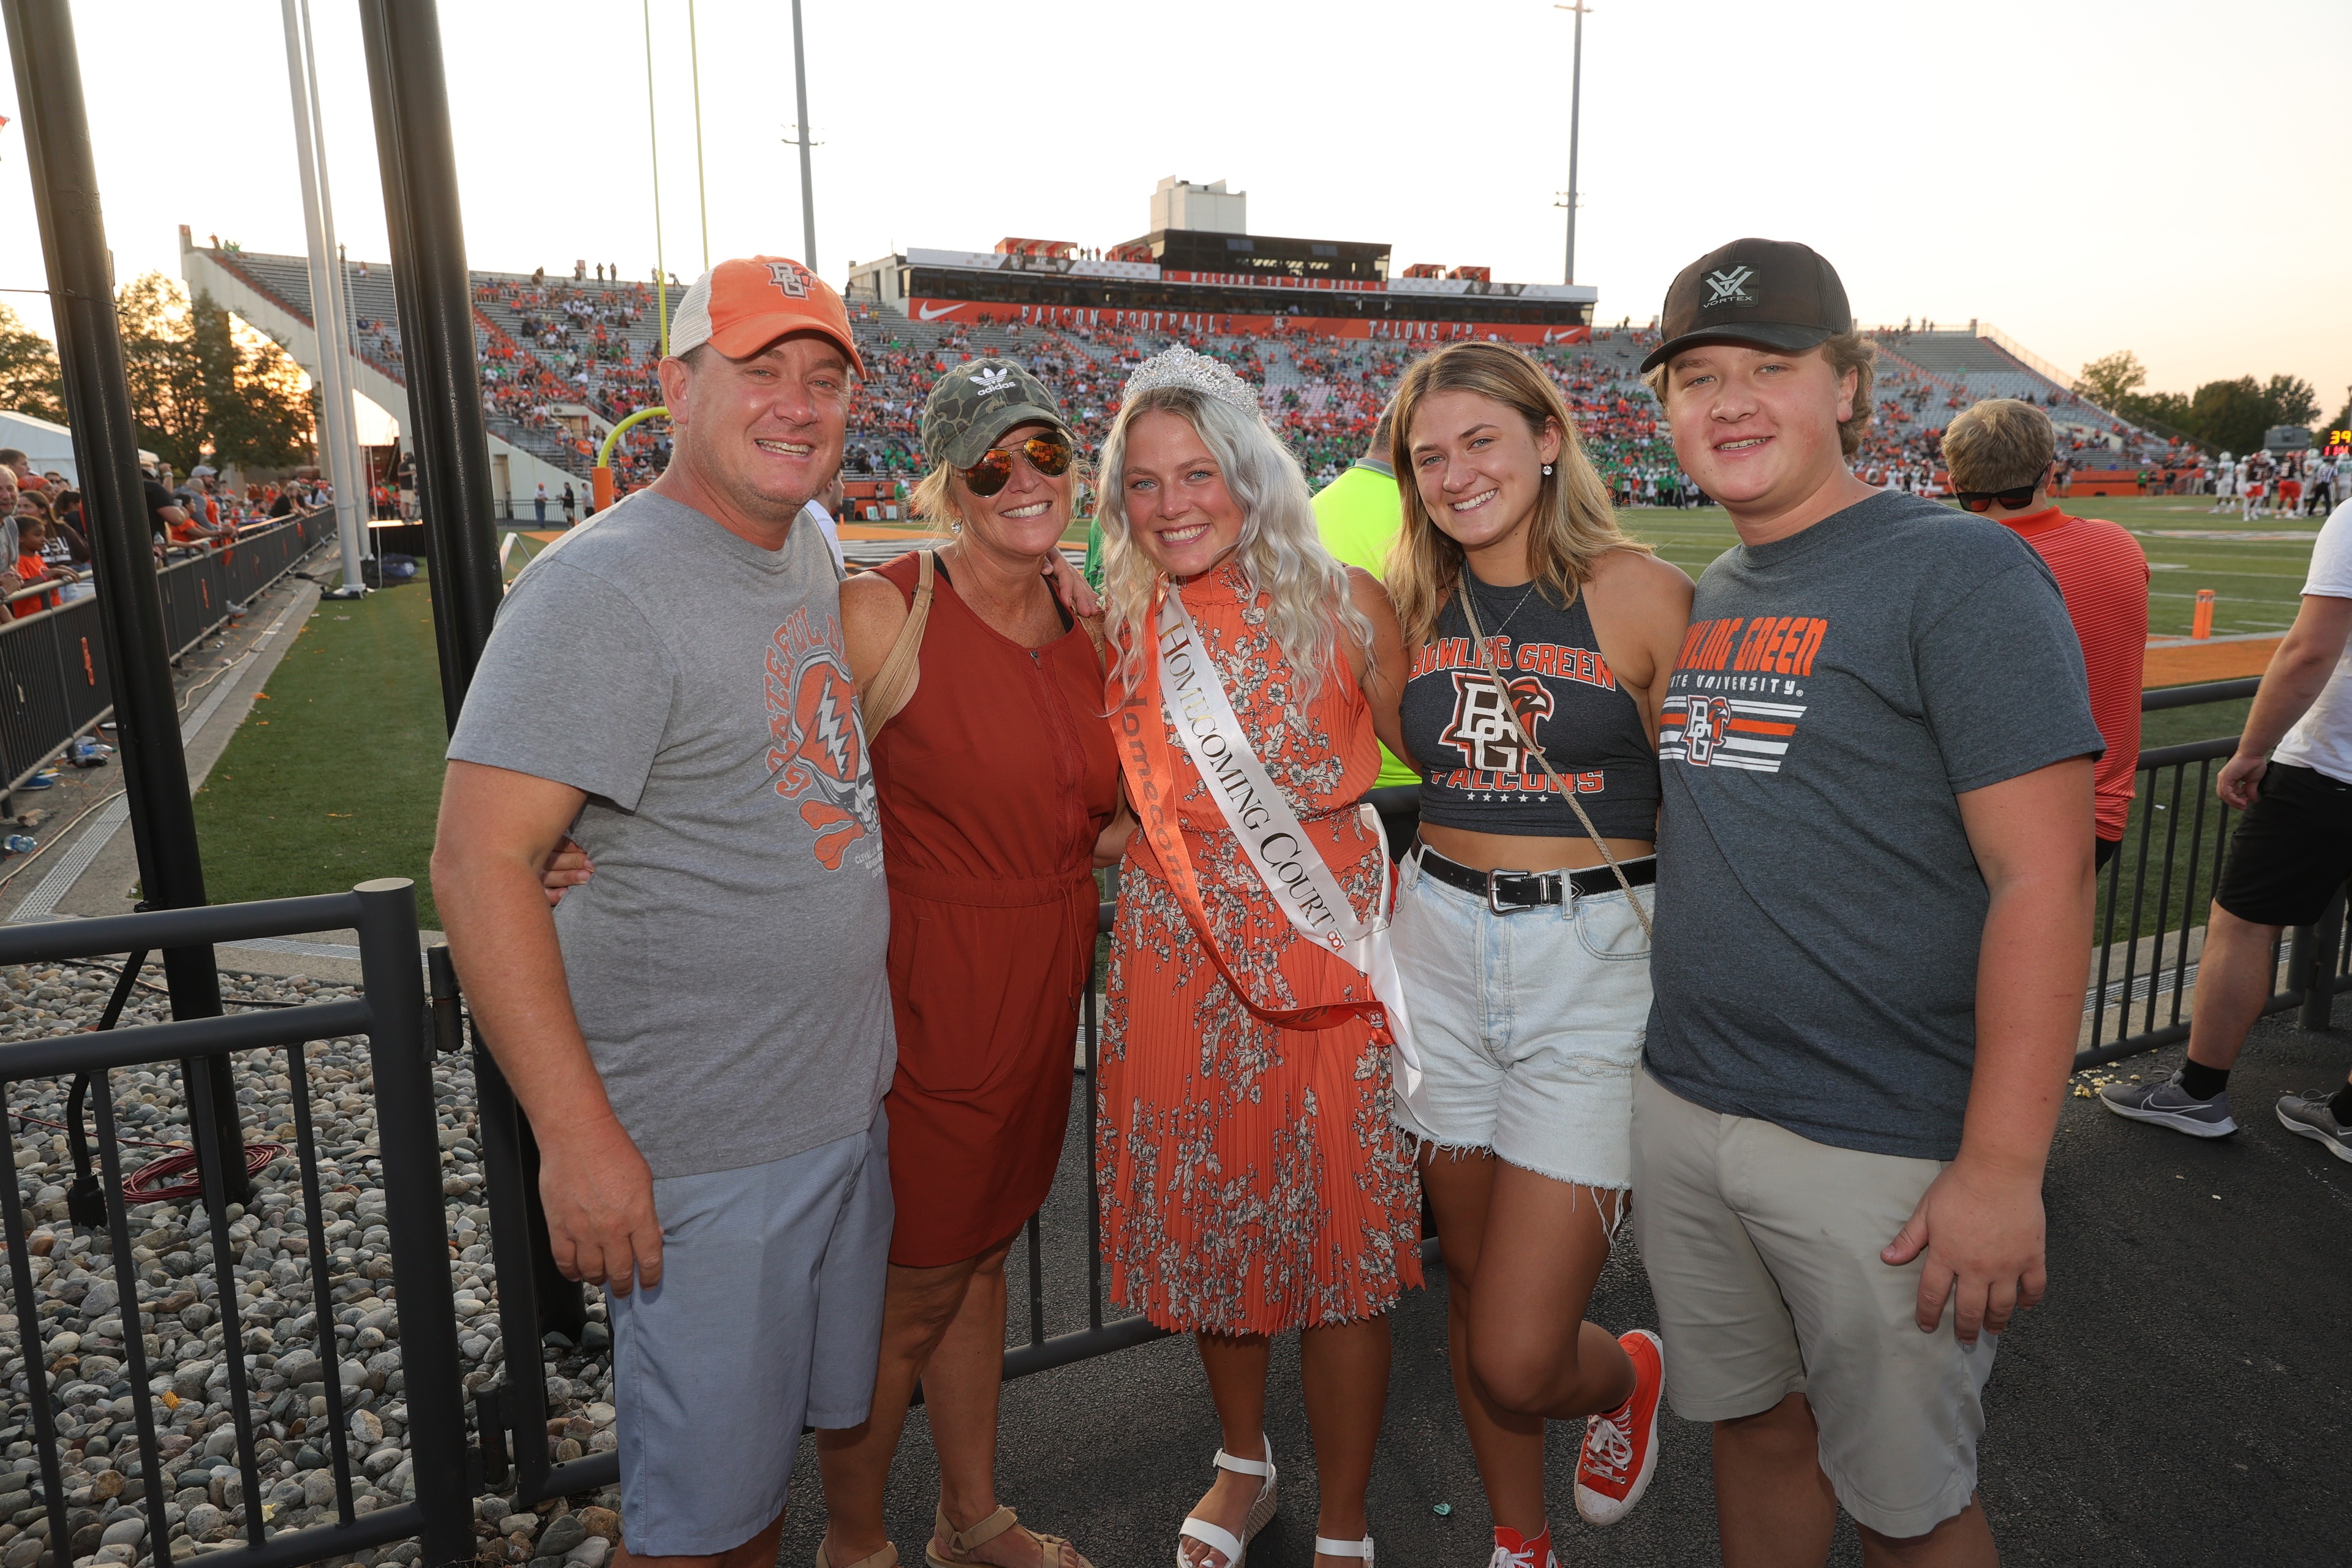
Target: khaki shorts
1762 1250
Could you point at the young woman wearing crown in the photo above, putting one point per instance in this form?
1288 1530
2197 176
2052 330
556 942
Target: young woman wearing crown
1253 1179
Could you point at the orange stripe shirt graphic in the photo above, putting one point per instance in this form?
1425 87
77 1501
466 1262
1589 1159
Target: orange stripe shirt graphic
1736 697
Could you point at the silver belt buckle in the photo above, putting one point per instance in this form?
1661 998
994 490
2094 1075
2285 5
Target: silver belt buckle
1494 903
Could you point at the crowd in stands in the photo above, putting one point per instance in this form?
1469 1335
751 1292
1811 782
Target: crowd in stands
1324 395
565 359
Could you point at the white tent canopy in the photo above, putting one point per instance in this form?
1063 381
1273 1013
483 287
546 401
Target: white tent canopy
47 446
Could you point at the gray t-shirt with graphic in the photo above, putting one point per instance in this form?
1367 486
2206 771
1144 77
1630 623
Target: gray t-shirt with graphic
727 959
1819 908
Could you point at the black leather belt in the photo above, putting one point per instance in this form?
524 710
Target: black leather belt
1508 891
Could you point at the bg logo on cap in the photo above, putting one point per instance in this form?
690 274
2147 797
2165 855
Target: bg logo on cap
1730 287
788 276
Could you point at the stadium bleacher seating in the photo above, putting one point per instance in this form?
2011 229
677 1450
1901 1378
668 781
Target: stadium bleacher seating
564 359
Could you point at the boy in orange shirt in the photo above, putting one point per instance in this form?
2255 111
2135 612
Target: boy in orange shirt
32 532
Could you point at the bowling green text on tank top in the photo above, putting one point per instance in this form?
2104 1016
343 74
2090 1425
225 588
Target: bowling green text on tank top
1478 777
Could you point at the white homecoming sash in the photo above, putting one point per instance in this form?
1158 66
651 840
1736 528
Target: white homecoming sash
1294 871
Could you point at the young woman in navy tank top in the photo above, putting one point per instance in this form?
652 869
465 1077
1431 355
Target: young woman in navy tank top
1524 956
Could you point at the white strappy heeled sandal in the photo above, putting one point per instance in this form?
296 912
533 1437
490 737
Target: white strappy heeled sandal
1326 1546
1216 1538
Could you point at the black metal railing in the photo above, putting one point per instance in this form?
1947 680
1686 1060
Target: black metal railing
391 1013
2154 892
201 590
55 683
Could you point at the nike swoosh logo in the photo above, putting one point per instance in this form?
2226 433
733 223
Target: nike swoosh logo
933 312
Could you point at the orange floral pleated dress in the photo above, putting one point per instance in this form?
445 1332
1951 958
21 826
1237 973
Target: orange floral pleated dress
1253 1176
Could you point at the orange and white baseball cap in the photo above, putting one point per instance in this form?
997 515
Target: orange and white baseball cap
740 307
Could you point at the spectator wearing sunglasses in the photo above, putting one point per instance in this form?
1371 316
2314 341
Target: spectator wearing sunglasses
2002 454
998 781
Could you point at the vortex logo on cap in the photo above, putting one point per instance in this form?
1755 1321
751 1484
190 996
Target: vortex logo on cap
1730 288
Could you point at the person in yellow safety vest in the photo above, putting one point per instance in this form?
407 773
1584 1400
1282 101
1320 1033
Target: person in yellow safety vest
1359 515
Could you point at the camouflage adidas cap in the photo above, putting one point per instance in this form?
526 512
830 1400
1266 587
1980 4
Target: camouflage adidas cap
978 401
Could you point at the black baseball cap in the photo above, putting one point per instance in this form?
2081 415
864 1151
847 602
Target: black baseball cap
1771 293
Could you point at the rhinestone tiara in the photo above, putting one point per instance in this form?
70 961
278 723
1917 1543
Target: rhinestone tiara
1180 366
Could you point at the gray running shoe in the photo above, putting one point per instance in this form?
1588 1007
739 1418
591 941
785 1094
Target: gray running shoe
2167 1104
2306 1115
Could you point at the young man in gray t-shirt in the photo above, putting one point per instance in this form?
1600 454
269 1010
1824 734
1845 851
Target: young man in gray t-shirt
1874 918
702 1034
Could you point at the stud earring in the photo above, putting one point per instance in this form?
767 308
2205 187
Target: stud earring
1547 470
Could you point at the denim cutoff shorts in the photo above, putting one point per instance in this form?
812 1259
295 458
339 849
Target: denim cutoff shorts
1529 1025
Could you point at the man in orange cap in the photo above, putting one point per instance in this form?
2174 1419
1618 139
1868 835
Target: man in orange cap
702 1036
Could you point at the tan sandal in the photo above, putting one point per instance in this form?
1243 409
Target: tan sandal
885 1558
1056 1552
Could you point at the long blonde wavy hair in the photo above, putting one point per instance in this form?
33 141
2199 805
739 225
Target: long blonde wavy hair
1574 525
1281 554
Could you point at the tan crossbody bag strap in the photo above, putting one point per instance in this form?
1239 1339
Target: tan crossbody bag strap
893 685
1527 744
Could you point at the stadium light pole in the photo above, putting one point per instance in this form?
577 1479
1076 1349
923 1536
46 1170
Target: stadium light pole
114 505
808 181
334 387
701 199
338 292
653 145
1575 122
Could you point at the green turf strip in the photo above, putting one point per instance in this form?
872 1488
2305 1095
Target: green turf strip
2257 583
336 777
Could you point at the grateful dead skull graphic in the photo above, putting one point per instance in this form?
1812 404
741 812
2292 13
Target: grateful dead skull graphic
817 751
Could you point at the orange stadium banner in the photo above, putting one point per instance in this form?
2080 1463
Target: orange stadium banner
985 312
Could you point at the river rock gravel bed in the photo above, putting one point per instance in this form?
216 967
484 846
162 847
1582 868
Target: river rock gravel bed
81 1323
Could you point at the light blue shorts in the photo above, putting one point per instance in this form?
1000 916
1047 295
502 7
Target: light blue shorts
768 1317
1529 1025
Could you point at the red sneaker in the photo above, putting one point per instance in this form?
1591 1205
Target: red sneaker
1620 1445
1513 1550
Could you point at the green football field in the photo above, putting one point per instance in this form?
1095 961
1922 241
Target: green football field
2256 576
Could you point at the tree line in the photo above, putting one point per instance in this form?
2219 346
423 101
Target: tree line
2233 415
200 388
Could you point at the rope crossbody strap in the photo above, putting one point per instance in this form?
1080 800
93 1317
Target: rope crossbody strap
893 685
1527 744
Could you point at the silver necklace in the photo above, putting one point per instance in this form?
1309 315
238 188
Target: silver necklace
1472 585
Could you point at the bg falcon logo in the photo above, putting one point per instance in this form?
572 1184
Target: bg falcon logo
1480 729
789 277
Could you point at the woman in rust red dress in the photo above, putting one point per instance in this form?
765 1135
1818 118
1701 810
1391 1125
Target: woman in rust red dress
998 784
982 703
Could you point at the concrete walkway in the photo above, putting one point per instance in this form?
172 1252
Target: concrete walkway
2183 1397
